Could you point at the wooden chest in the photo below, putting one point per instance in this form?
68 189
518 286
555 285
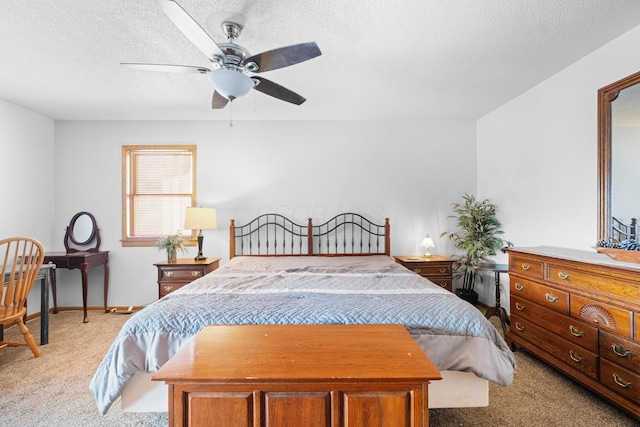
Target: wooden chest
299 375
579 311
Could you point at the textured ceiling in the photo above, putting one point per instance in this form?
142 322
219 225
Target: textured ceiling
382 59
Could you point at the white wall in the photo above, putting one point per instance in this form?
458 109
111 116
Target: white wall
26 174
537 154
408 171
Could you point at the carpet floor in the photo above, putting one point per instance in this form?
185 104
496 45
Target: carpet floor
53 390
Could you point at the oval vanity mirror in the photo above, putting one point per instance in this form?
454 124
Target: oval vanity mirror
82 231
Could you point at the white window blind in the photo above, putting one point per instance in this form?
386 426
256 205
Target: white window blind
158 186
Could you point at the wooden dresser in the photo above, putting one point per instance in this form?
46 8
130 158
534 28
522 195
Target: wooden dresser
436 268
580 312
174 275
299 375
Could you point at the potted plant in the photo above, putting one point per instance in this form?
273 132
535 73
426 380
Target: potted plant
172 243
477 238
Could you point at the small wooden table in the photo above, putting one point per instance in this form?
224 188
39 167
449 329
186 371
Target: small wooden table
437 268
299 375
497 310
82 261
174 275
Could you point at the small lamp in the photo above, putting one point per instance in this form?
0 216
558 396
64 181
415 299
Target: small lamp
427 242
200 219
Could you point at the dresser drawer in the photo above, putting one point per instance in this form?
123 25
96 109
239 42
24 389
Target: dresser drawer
568 276
620 351
544 295
620 380
572 330
602 315
525 267
572 355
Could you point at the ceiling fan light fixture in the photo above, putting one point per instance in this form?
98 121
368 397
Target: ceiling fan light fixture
231 84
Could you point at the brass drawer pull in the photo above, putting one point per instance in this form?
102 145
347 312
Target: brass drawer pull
168 273
621 351
563 276
576 332
519 326
520 307
417 270
519 287
195 273
167 288
442 270
526 267
575 356
551 297
621 381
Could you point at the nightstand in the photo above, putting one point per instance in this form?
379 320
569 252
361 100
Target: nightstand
436 268
174 275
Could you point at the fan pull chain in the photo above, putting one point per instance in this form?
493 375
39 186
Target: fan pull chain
231 114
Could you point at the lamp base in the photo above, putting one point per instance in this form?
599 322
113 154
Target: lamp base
200 257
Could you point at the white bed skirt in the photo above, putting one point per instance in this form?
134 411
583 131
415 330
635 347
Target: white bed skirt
455 390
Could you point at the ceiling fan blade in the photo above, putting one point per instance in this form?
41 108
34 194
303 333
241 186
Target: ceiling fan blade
273 89
283 56
191 29
218 101
168 68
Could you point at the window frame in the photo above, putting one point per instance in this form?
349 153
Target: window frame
127 195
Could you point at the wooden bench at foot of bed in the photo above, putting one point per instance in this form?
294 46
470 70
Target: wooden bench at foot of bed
299 375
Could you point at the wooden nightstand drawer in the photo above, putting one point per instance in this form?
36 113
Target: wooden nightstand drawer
437 269
172 276
189 274
167 288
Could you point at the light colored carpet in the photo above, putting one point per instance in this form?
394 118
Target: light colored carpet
53 390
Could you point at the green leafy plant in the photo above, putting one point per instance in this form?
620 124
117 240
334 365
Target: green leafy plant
476 237
172 243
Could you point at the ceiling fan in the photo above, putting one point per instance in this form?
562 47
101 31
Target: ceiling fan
230 62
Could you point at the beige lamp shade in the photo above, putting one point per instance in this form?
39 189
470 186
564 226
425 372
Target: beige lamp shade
199 218
427 242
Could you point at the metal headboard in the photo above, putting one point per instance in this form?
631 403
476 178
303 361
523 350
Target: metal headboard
351 234
276 235
269 234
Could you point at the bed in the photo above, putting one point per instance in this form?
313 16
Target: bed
281 272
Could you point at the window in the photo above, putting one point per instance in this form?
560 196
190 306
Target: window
158 184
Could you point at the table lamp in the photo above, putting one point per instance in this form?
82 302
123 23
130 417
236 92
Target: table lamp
199 218
427 242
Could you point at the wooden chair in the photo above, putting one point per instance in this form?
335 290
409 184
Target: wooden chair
21 259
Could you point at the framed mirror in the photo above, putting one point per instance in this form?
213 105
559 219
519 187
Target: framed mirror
618 155
82 233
